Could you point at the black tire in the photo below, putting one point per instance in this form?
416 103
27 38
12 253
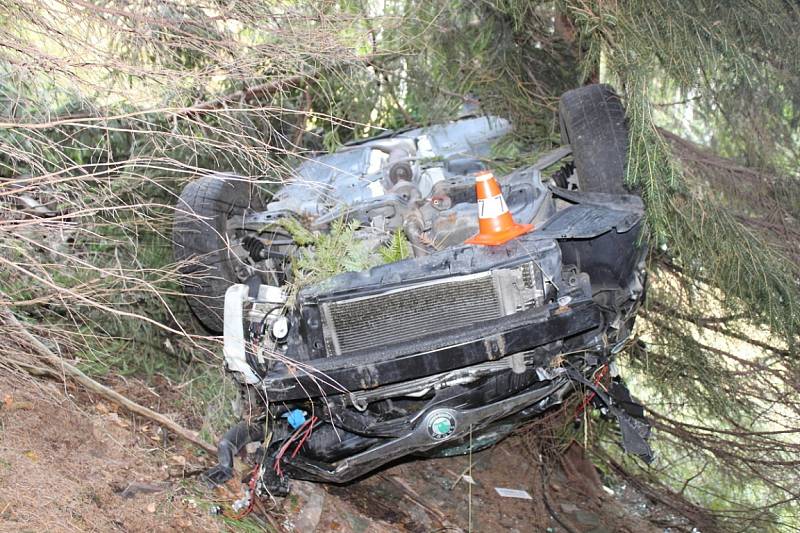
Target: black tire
202 243
592 121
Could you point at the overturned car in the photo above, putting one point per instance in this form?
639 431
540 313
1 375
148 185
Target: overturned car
456 344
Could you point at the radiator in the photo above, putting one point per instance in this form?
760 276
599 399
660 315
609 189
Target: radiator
405 314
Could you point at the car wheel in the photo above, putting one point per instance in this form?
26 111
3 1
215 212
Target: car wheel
204 243
592 121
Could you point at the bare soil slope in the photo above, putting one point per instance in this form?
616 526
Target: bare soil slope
66 466
71 463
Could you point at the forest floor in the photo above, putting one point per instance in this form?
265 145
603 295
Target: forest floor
71 462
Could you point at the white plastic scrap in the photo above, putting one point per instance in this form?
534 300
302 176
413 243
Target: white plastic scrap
243 502
233 330
513 493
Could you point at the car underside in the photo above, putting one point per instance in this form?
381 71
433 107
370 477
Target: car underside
441 353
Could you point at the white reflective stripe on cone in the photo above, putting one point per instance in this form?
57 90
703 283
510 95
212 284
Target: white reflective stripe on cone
492 207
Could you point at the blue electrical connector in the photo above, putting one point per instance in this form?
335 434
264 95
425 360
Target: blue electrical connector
295 417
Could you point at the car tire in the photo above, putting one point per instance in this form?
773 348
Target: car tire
202 243
592 122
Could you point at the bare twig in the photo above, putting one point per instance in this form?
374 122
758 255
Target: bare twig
110 394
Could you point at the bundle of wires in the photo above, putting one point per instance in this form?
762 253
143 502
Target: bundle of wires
303 432
599 375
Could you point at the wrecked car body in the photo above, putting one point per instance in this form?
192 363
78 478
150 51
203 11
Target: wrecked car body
449 349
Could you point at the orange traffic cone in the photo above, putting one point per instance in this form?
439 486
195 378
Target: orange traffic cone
495 222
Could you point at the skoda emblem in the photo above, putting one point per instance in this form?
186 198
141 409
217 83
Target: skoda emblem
441 424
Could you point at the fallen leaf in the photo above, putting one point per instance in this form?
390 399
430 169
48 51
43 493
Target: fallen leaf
224 492
115 418
10 405
32 455
101 408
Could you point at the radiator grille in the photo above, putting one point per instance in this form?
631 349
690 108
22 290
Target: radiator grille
405 314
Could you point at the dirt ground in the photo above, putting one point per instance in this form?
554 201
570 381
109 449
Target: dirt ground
432 495
70 462
66 462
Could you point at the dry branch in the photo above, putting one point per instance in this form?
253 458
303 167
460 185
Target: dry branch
250 94
273 87
108 393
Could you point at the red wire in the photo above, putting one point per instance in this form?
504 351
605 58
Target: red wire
305 436
277 464
590 396
252 485
306 430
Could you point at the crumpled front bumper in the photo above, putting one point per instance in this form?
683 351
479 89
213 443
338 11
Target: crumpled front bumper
432 354
423 436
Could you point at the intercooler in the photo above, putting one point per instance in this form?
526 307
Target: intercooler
434 307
